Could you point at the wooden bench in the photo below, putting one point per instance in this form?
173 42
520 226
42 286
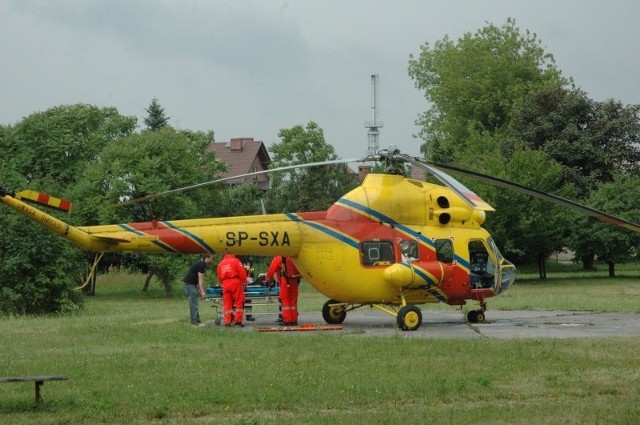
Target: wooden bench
39 381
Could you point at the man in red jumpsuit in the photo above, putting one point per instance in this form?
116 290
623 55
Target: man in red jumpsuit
233 278
288 277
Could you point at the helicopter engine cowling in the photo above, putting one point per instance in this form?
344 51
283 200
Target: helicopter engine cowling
414 275
451 210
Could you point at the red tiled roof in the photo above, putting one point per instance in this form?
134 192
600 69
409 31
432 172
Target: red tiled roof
418 173
242 156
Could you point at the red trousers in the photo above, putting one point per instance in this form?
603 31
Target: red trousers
289 299
233 298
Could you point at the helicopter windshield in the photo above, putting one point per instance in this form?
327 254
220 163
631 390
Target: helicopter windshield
488 269
507 276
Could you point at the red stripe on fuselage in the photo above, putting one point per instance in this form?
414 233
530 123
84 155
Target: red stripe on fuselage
345 213
176 240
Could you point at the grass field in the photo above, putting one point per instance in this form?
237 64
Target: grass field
133 358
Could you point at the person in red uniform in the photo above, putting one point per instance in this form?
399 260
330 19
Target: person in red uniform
287 275
233 278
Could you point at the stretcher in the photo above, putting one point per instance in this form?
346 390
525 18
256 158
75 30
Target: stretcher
299 328
255 296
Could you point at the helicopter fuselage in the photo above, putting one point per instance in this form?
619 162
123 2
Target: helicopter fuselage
392 241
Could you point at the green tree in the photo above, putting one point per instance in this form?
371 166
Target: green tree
156 118
473 84
306 189
242 200
530 229
593 140
608 243
150 163
48 151
56 145
39 270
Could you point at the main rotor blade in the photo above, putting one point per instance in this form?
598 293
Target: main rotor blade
224 179
469 196
602 216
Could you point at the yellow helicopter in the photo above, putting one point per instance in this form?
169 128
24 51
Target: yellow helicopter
393 243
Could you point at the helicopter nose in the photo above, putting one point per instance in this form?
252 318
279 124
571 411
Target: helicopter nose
508 274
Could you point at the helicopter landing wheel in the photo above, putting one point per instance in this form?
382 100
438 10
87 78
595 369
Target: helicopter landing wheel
333 314
475 316
409 318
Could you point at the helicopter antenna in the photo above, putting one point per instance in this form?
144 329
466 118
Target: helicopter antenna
374 125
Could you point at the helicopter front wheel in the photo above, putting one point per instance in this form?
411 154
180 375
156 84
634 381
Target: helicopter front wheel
409 318
475 316
334 312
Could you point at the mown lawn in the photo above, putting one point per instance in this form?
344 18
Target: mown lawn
133 358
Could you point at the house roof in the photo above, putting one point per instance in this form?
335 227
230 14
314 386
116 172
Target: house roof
242 155
418 173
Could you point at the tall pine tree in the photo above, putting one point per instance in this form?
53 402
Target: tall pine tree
156 119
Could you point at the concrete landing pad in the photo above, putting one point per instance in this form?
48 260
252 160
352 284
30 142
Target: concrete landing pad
498 325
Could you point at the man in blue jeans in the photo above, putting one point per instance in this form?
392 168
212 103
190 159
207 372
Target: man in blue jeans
194 287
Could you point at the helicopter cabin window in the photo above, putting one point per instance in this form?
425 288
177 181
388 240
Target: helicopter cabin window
444 250
377 253
480 266
409 250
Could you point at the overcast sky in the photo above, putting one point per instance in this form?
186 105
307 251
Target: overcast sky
250 68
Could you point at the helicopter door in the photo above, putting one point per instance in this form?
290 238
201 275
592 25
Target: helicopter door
481 266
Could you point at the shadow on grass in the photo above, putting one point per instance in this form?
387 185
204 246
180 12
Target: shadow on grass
17 404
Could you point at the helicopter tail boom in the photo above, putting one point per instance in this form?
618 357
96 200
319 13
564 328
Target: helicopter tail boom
274 234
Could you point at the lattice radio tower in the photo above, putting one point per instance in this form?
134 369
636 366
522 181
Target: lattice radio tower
374 125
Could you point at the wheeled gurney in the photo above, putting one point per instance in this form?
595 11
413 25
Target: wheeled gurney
255 296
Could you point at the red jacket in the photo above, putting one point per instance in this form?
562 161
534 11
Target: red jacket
286 269
231 268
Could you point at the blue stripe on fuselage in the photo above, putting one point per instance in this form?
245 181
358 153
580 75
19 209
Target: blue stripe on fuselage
325 229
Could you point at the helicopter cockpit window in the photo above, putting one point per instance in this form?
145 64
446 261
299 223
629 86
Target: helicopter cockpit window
376 253
444 250
481 266
409 250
